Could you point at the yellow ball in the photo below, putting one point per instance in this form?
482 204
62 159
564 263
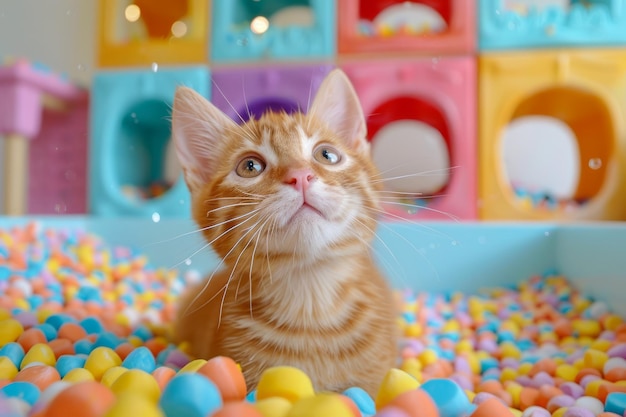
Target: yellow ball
588 328
111 375
595 359
273 407
193 366
8 370
284 381
320 405
130 405
78 375
566 372
136 381
10 330
100 359
395 383
508 374
428 357
39 352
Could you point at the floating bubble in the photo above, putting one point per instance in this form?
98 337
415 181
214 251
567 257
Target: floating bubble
154 67
156 217
595 163
259 25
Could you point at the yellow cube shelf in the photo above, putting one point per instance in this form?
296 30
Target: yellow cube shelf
152 32
586 90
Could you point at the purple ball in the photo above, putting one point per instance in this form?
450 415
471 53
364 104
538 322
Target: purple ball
578 412
572 389
617 351
561 401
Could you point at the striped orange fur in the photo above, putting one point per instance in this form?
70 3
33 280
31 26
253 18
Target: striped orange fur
289 203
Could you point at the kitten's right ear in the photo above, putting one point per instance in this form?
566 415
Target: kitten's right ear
197 129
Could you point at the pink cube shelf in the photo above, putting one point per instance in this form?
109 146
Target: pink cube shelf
57 168
441 94
51 113
361 27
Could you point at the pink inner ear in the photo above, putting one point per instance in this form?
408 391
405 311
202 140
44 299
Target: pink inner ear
198 128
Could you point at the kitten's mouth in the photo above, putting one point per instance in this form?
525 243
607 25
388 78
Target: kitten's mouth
306 208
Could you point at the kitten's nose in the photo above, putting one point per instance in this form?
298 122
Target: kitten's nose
300 178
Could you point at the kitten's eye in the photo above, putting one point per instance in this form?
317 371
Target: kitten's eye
250 167
327 155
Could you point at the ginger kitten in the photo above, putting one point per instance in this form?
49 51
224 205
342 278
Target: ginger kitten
288 203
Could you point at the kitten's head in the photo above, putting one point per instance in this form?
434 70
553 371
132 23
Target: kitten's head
283 184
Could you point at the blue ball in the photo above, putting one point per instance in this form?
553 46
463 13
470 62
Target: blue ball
140 358
107 339
22 390
190 395
92 325
143 333
616 403
449 397
48 330
57 320
14 351
83 346
66 363
362 399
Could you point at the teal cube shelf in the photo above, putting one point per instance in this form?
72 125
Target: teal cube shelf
244 30
579 24
131 153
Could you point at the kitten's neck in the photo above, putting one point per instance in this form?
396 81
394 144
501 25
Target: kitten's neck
305 291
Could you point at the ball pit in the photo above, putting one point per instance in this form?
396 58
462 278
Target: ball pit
84 331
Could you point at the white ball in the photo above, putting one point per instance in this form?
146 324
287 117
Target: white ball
590 403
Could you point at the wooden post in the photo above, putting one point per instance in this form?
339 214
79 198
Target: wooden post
15 167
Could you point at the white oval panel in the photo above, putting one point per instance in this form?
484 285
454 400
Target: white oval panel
541 154
412 156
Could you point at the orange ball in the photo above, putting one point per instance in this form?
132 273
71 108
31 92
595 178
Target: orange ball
226 375
40 375
85 399
416 403
237 409
492 407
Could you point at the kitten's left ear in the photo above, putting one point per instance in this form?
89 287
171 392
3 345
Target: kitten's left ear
337 104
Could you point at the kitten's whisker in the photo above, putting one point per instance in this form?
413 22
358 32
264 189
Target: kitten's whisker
418 251
230 206
228 101
414 175
210 200
187 311
449 215
245 99
171 239
380 240
414 223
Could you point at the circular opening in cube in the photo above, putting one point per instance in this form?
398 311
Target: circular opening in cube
259 16
393 17
152 19
556 149
411 148
145 165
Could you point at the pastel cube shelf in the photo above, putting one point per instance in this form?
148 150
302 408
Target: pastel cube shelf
244 30
57 167
582 90
146 32
513 24
37 110
422 104
252 91
423 26
132 160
